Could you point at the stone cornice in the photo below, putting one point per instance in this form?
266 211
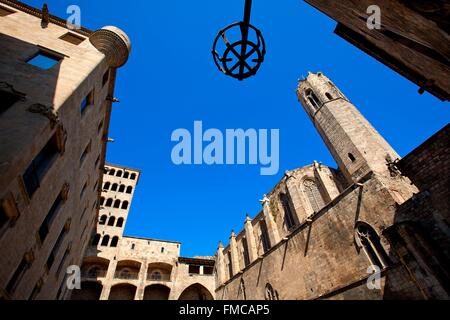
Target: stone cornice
18 5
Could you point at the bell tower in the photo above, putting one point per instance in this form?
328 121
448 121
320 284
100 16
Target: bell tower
354 144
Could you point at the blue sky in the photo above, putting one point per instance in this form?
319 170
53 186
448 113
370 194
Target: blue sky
171 80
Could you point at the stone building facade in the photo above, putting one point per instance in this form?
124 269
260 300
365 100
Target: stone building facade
322 233
56 93
118 267
412 40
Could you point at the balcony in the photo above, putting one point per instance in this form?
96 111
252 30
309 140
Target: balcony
126 275
158 277
93 274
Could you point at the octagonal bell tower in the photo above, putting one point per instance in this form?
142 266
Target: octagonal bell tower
354 144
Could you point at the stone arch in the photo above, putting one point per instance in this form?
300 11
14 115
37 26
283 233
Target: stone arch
123 291
159 271
156 292
127 270
90 290
196 292
94 267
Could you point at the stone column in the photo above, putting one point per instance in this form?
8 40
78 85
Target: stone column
220 267
251 241
272 227
109 278
234 254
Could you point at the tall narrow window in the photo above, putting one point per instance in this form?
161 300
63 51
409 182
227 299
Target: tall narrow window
109 202
51 215
24 265
119 223
265 240
86 102
126 175
114 187
245 252
133 176
107 186
351 157
119 173
230 265
122 188
313 193
105 78
83 190
117 204
96 239
44 60
114 242
102 220
85 153
111 221
288 216
312 98
125 205
40 165
368 240
105 241
129 189
53 254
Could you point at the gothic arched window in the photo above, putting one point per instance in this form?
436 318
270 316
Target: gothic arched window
368 240
242 295
312 98
313 193
288 215
265 240
270 293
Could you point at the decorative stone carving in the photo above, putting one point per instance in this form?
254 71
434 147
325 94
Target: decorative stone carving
47 111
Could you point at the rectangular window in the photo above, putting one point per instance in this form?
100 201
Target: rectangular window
7 100
44 60
18 275
194 269
40 165
8 211
208 270
45 227
5 11
72 38
245 252
51 258
85 153
87 101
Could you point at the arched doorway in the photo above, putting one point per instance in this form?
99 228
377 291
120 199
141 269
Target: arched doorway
156 292
122 292
89 291
196 292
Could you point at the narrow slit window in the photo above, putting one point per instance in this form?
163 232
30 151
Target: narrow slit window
87 101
